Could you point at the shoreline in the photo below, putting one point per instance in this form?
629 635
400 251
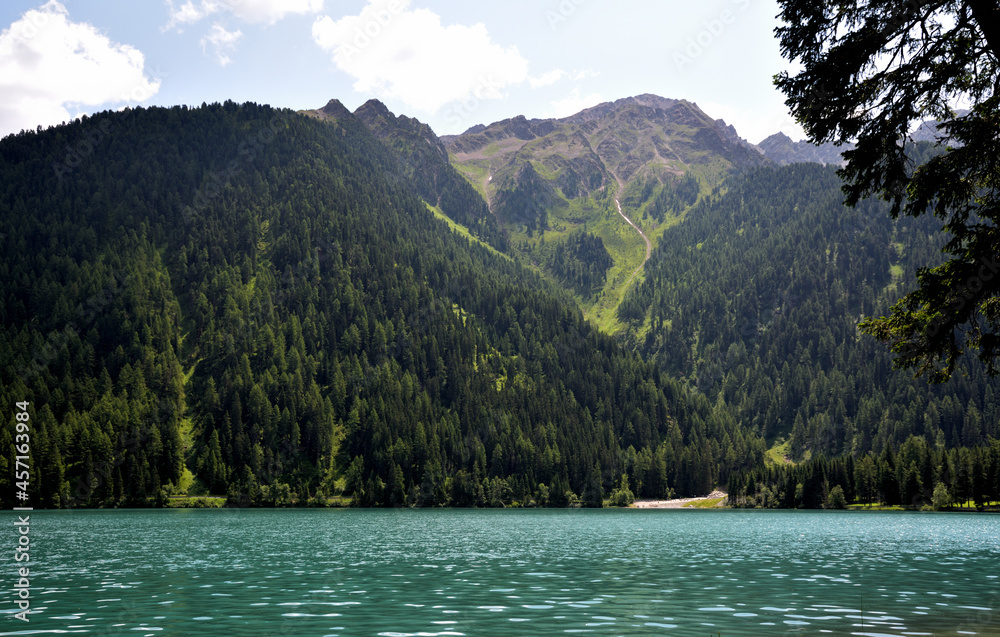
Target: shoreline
676 503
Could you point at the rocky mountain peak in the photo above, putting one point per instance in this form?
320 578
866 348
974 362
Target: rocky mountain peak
334 110
373 108
781 149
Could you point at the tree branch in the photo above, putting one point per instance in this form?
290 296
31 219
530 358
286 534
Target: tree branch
987 15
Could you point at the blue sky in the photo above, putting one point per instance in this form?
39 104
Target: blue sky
450 64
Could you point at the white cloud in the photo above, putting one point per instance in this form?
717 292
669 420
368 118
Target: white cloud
546 79
221 40
188 13
49 65
256 11
574 103
408 55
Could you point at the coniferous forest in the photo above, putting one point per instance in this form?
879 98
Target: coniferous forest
918 476
242 301
755 299
257 303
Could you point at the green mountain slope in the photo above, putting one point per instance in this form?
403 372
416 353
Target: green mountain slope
549 180
261 299
425 166
755 297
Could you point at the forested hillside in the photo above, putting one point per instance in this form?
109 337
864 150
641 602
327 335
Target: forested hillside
429 173
914 475
260 299
548 180
755 299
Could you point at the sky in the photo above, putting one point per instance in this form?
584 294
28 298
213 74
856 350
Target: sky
450 64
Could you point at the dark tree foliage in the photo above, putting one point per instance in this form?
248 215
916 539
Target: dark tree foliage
673 199
755 299
580 263
425 166
871 70
918 476
256 297
524 199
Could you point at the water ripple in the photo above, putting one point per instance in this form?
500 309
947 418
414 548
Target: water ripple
332 572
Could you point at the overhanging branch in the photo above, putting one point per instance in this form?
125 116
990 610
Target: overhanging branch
987 14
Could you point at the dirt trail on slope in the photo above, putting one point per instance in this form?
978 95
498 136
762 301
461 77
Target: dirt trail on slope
649 246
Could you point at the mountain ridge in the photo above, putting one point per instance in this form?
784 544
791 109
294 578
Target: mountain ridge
543 181
242 301
594 125
548 179
424 164
780 148
783 151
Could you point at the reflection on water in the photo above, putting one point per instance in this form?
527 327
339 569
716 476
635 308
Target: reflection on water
457 572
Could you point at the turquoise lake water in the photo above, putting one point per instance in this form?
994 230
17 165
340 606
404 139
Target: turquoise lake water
509 572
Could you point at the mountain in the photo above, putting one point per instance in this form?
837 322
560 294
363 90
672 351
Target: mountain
426 167
930 131
550 180
780 149
245 300
755 298
633 138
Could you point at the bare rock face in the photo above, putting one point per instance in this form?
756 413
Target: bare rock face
646 138
780 149
333 110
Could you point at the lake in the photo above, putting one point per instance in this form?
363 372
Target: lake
509 572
